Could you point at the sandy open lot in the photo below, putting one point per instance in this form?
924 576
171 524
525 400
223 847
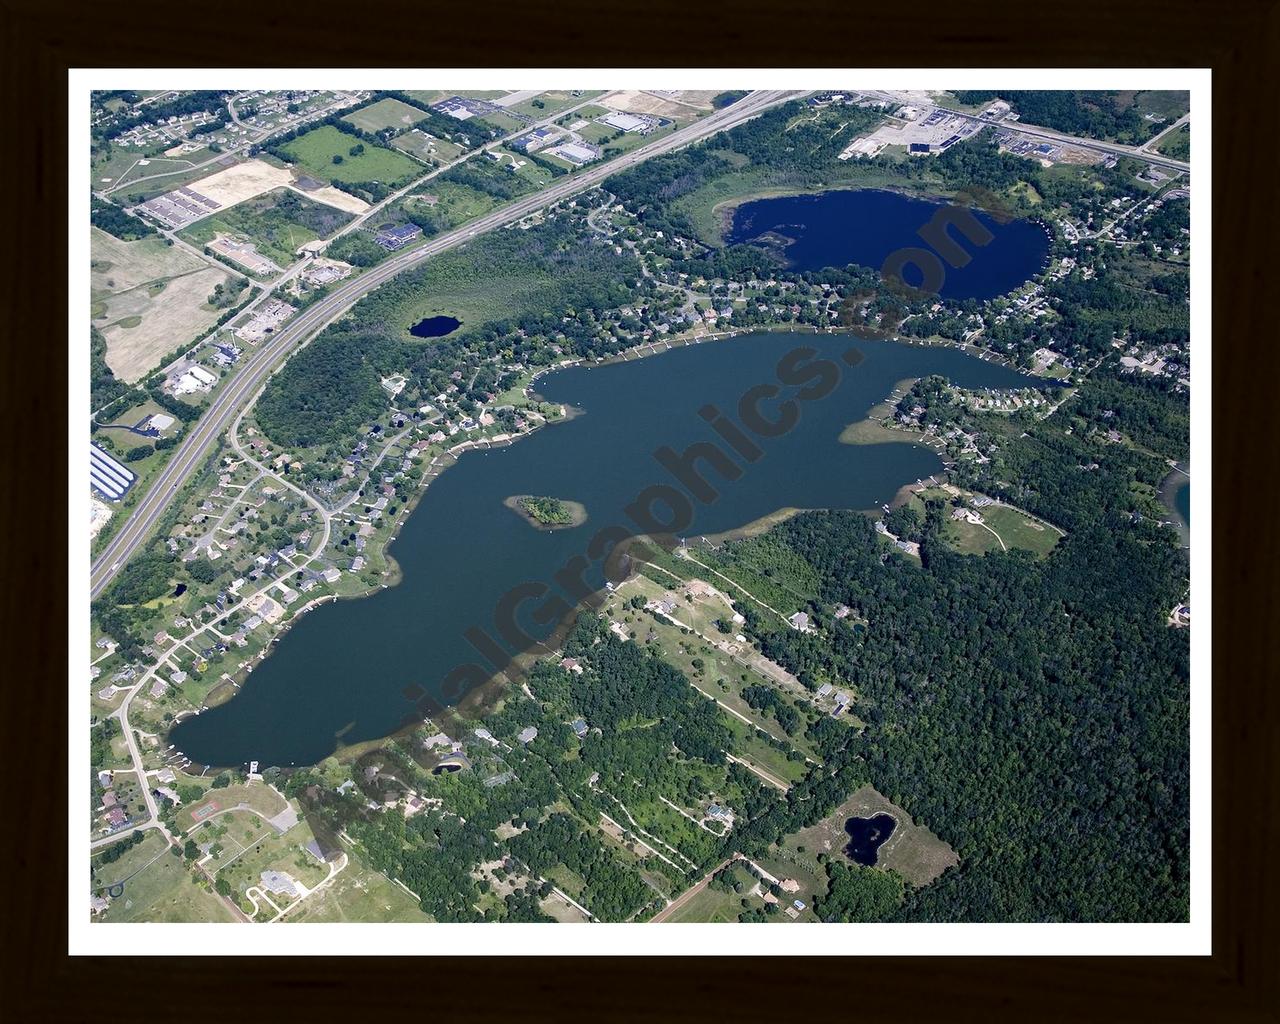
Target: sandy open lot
677 105
158 289
334 197
244 181
160 323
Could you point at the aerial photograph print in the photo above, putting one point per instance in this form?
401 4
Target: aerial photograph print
631 505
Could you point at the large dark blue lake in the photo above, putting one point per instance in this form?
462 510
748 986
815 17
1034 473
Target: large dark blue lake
864 226
340 674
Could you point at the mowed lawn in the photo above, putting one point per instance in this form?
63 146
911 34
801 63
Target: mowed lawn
315 152
257 796
388 113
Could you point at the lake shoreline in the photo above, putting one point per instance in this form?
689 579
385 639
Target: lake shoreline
477 697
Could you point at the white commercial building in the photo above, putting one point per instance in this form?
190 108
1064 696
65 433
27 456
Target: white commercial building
108 477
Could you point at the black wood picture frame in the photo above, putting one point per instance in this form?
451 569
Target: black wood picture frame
1240 981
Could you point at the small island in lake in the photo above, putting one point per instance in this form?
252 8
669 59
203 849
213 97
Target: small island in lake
550 513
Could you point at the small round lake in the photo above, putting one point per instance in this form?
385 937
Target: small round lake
867 835
435 327
864 226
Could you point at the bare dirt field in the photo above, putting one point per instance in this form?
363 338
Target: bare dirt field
161 323
336 198
147 299
241 182
676 105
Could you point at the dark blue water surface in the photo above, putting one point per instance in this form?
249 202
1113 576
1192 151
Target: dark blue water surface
435 327
340 673
864 226
1182 502
867 835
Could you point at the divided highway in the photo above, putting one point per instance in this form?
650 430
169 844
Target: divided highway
1109 148
259 365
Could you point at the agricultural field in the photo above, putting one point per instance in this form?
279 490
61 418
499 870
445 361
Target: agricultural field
276 223
147 299
316 151
387 113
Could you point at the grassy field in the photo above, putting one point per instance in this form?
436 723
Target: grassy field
314 152
912 850
709 907
230 834
1000 523
428 96
721 676
358 895
1167 103
131 863
504 122
277 223
426 147
388 113
258 796
1177 145
148 298
552 103
526 168
167 890
455 204
122 166
284 853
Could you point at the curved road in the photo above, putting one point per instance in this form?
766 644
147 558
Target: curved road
270 355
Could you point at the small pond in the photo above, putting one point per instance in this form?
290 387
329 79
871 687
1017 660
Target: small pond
867 835
435 327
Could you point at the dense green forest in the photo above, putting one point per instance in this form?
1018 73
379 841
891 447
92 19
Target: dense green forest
328 390
113 220
1093 113
1034 713
104 388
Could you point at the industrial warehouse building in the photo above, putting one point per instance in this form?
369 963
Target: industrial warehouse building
107 476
